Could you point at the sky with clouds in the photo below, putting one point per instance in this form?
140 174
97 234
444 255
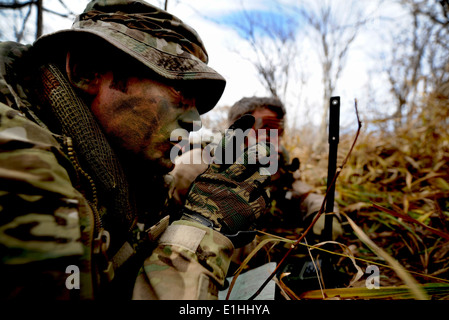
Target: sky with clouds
227 50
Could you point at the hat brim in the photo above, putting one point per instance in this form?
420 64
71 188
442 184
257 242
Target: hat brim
206 84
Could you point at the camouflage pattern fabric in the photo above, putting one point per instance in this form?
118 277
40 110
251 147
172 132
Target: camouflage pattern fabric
41 214
190 262
47 216
230 195
47 222
159 40
29 171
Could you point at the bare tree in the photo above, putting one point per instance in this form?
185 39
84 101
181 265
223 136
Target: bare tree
18 15
332 27
271 35
39 23
418 62
405 68
437 14
164 4
276 37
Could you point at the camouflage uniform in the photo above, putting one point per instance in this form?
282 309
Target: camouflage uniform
60 180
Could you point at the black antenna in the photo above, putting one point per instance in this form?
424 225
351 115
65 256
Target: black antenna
334 137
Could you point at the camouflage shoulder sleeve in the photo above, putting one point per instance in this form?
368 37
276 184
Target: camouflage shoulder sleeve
39 212
190 262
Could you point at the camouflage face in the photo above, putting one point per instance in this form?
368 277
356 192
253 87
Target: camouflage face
268 126
141 125
154 37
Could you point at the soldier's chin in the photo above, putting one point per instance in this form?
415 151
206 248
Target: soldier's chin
165 165
145 166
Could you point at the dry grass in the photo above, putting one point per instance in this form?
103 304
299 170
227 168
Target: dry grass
395 187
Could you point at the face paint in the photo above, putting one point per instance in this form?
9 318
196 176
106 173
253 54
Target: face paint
139 121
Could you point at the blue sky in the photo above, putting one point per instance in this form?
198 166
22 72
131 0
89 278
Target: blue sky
261 17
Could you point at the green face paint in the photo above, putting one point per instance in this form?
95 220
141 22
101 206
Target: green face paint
140 120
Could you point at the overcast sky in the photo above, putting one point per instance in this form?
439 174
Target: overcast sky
227 50
220 40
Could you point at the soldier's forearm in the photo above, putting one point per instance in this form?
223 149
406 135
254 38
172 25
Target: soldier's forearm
192 260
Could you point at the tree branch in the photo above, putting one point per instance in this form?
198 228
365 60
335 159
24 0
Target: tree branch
16 5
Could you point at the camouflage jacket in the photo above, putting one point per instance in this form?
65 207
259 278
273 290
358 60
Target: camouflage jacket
52 245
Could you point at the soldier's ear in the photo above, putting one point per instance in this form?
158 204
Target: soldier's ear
82 73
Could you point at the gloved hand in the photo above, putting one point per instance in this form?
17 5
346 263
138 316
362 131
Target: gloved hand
229 197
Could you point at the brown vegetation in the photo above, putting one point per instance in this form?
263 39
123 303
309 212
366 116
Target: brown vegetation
395 187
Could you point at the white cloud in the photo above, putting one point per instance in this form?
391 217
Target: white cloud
226 51
225 48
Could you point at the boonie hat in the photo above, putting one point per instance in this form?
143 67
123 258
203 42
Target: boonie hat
154 37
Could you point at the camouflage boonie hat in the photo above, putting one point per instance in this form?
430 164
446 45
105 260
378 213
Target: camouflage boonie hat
154 37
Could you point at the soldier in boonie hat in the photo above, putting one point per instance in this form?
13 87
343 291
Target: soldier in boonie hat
88 117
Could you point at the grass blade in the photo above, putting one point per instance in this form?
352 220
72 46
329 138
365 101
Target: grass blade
391 293
410 282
